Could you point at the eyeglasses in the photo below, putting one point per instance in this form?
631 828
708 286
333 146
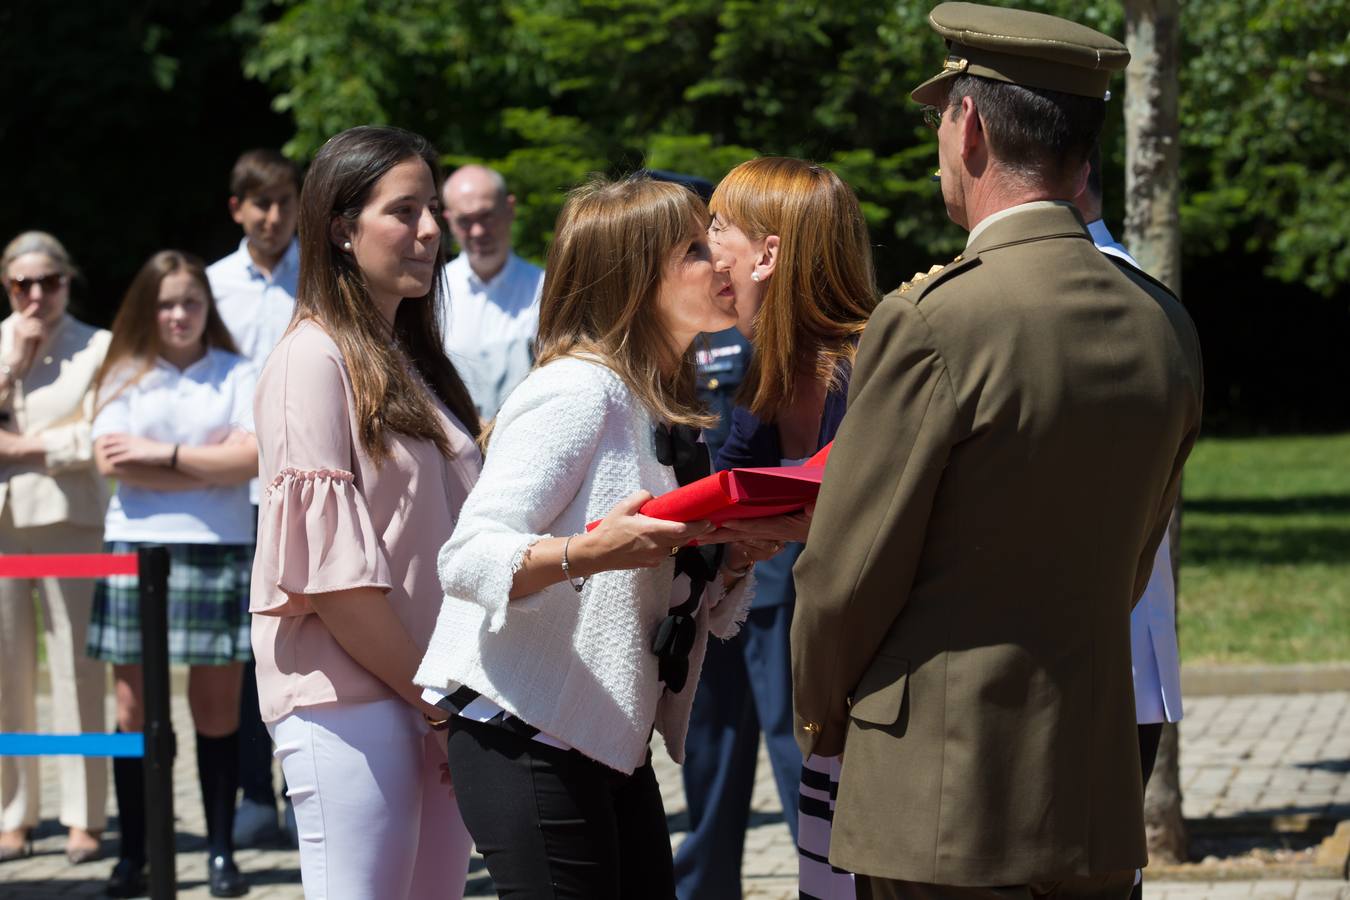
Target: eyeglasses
932 117
21 286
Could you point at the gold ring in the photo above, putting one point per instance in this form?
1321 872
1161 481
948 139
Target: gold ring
674 550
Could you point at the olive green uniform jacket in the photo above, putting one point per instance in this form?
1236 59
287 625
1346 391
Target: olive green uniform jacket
989 515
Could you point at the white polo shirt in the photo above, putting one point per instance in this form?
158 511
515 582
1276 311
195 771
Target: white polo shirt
256 308
197 405
490 327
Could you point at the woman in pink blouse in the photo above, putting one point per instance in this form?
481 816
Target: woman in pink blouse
366 435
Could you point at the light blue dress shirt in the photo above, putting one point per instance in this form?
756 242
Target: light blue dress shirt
257 308
1153 624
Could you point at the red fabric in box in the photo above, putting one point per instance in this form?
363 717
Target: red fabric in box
741 493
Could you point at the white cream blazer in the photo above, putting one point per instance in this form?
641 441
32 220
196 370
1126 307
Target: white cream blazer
570 442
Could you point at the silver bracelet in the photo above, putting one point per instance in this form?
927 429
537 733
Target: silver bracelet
576 583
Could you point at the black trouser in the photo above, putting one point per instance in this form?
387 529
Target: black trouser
554 823
255 744
1149 736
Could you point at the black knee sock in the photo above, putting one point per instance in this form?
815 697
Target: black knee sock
129 785
218 771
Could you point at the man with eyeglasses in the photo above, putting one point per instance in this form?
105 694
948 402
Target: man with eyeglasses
492 295
1012 449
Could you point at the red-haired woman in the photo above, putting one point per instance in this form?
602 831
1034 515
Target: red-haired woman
792 239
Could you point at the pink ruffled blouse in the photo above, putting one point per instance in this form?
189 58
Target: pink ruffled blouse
329 519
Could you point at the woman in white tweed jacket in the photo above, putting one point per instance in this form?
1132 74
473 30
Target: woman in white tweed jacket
543 652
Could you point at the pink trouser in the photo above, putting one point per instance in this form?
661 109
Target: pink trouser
375 821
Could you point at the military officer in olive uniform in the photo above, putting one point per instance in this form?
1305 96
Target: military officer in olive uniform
1016 429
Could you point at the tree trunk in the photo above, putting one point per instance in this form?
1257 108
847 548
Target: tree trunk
1153 235
1152 146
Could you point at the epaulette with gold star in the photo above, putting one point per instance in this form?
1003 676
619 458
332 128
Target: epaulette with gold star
918 278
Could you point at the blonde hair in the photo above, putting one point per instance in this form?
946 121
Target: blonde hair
823 288
37 242
614 241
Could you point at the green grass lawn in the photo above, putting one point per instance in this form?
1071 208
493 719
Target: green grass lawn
1265 550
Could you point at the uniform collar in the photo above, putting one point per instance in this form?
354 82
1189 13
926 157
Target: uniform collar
1026 222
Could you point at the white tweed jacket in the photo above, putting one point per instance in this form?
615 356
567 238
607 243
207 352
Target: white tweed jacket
569 443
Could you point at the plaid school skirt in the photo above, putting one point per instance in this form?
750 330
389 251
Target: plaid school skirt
208 607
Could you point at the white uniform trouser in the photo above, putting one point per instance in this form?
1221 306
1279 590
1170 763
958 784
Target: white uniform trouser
79 684
375 821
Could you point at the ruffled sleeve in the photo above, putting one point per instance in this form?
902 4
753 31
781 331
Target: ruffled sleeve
315 536
315 530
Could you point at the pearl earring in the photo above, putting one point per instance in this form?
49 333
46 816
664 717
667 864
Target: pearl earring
754 276
346 245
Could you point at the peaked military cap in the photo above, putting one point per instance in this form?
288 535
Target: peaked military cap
1022 47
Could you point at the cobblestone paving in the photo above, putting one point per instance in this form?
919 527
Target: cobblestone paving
1266 755
1242 756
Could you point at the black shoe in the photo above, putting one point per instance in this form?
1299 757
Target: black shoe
127 879
224 877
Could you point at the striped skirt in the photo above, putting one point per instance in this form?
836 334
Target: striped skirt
209 621
816 878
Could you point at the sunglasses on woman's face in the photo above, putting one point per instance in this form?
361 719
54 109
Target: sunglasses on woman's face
21 286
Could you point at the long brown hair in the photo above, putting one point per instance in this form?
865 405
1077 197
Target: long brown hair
135 330
613 242
333 293
823 288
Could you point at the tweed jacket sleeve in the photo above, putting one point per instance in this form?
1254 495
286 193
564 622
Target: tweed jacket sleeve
854 576
539 456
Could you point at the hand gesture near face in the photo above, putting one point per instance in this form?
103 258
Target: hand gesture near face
30 331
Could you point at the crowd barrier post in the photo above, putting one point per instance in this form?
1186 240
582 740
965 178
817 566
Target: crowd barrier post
159 738
156 744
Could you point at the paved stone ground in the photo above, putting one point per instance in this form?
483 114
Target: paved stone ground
1242 756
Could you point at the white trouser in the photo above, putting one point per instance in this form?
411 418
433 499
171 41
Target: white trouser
375 821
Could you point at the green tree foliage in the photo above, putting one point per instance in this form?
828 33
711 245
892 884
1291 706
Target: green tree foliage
1266 122
551 90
